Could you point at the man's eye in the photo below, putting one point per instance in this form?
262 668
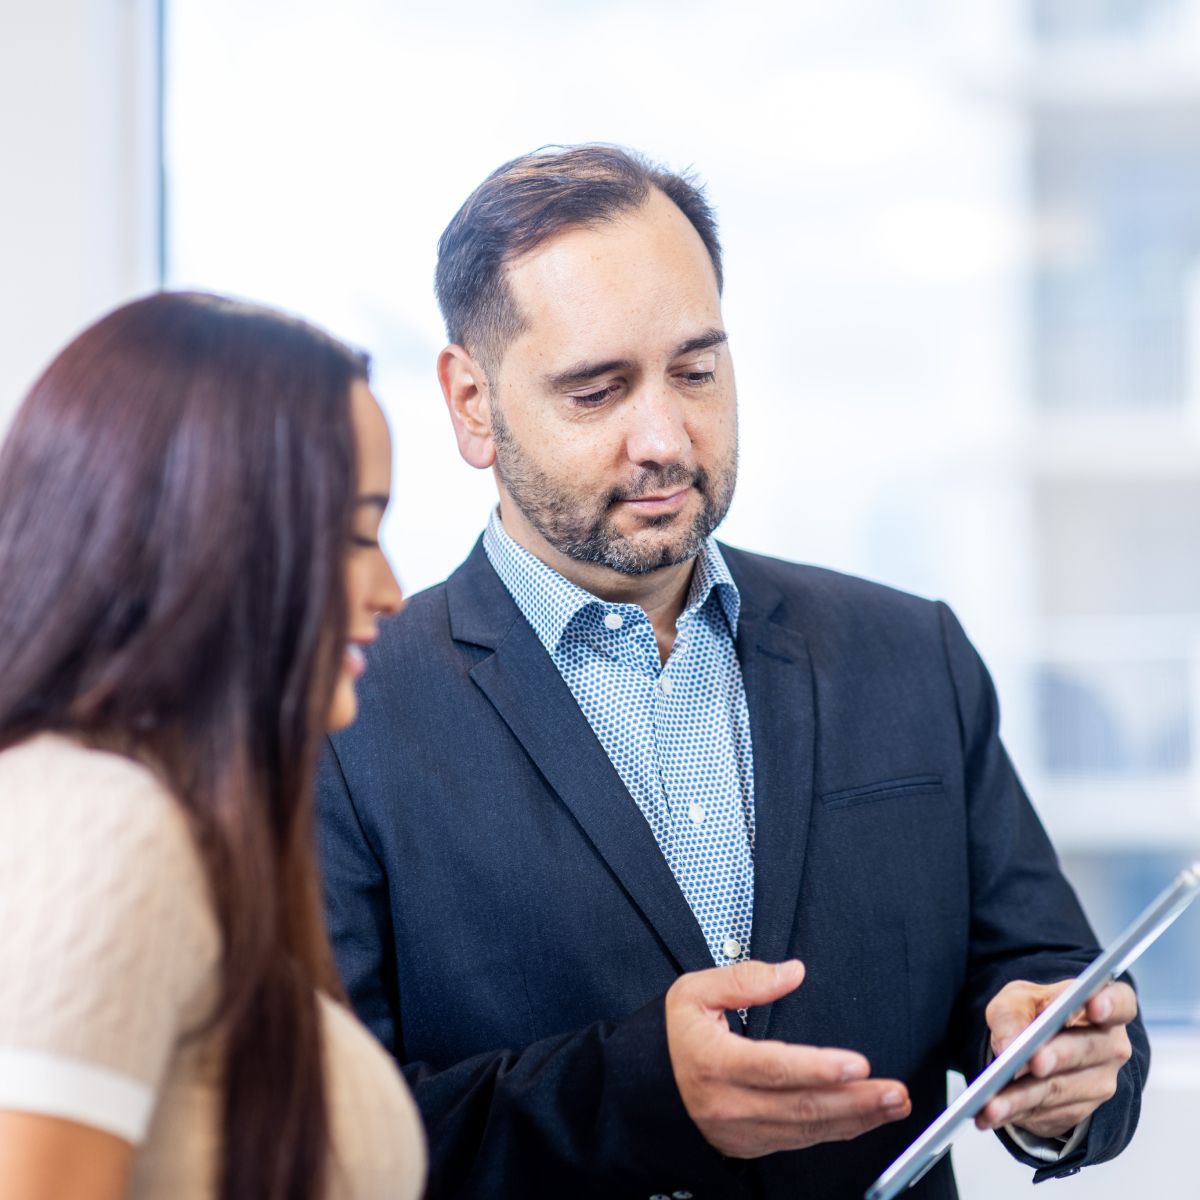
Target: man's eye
365 543
594 398
699 378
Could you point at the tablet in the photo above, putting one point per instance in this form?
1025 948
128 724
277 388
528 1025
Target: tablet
1001 1071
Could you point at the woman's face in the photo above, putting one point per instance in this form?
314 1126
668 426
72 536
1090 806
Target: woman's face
371 588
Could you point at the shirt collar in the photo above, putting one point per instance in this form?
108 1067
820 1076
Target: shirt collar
550 601
712 575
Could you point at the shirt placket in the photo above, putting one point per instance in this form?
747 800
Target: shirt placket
625 638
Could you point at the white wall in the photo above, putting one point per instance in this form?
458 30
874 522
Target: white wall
78 210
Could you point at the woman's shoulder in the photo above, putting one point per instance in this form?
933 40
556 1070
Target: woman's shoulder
377 1134
110 947
100 830
51 782
98 826
54 764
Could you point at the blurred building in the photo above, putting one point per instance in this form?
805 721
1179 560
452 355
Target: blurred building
1112 97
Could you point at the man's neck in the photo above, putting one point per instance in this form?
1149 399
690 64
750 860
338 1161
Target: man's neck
660 594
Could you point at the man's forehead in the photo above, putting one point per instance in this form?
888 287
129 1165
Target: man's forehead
630 287
648 247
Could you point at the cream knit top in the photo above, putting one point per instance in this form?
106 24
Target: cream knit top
109 956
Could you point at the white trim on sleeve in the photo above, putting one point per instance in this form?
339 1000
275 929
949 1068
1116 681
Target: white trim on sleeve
36 1082
1049 1150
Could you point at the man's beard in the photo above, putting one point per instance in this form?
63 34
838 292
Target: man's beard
581 527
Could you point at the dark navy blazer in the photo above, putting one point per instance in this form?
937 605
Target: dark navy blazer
507 926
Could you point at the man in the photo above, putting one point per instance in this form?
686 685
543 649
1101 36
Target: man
612 779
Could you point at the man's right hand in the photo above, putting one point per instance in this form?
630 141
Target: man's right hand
750 1098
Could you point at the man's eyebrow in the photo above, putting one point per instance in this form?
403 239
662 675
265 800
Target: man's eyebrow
376 499
581 372
705 341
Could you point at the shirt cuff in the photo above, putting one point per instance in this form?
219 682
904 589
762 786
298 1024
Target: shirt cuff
1051 1149
33 1081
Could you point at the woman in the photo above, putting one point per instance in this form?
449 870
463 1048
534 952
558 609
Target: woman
190 500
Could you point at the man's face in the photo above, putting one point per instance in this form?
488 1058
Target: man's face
613 414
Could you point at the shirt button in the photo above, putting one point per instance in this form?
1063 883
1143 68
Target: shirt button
697 813
614 620
665 685
732 948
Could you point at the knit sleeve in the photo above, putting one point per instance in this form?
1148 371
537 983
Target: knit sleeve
107 937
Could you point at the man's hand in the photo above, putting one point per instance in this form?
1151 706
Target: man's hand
1072 1074
750 1098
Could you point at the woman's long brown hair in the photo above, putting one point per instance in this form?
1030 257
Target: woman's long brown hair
176 496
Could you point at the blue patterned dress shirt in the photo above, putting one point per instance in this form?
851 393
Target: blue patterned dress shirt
677 733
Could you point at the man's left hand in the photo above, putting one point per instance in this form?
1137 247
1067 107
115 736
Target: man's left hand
1072 1074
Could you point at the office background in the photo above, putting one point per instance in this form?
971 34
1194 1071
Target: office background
963 294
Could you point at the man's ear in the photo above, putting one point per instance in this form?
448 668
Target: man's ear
467 397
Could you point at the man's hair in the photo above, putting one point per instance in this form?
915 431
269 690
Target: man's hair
524 203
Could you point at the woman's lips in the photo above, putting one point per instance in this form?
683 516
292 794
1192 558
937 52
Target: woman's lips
354 661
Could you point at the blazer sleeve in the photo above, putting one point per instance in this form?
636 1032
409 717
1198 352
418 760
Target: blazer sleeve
592 1111
1026 922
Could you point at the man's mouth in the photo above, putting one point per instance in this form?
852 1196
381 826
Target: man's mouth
656 503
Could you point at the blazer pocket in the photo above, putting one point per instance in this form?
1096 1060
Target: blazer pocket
890 789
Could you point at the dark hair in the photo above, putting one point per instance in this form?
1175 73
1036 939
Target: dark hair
527 201
176 496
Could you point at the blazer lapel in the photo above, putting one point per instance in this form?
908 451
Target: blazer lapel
778 677
521 681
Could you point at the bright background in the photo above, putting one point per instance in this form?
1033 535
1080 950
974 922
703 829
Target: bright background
963 293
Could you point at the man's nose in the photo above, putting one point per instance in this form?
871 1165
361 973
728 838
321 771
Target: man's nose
657 433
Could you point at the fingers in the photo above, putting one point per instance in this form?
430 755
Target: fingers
1075 1072
1078 1049
1018 1003
872 1100
800 1132
1048 1107
779 1066
742 985
750 1098
759 1122
1115 1004
1044 1123
1015 1006
1072 1076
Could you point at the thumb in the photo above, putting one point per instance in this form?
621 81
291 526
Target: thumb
1013 1008
745 984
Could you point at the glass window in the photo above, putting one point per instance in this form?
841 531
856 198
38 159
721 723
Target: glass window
1117 196
963 293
